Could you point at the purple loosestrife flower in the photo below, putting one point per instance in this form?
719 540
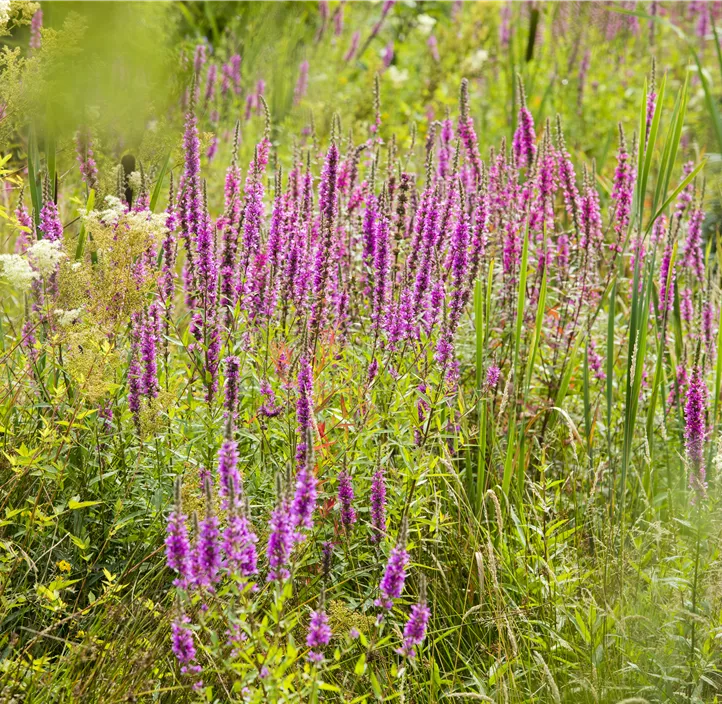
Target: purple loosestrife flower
302 83
708 318
304 410
666 279
382 269
505 24
338 20
582 78
567 177
695 429
199 59
446 150
467 133
353 47
230 401
177 545
327 209
168 249
208 547
459 266
228 474
135 371
26 235
685 304
36 25
149 348
304 500
280 541
182 641
692 256
433 48
192 214
345 498
622 192
239 545
88 167
392 582
524 143
387 55
211 76
590 216
492 376
269 409
388 4
415 628
378 506
319 634
51 228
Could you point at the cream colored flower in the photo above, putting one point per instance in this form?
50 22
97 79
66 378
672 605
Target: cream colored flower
426 24
16 270
45 256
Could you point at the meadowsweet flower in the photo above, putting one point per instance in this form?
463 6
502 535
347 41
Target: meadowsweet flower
378 506
319 634
5 11
16 270
345 498
45 256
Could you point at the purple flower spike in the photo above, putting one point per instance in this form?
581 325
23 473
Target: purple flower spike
415 629
319 634
525 136
345 498
392 583
280 542
208 547
378 507
695 430
230 479
177 544
239 544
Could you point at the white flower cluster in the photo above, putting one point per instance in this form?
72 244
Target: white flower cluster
135 181
16 270
68 317
4 12
45 256
111 215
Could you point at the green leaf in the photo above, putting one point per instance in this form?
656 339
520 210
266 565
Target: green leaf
74 504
